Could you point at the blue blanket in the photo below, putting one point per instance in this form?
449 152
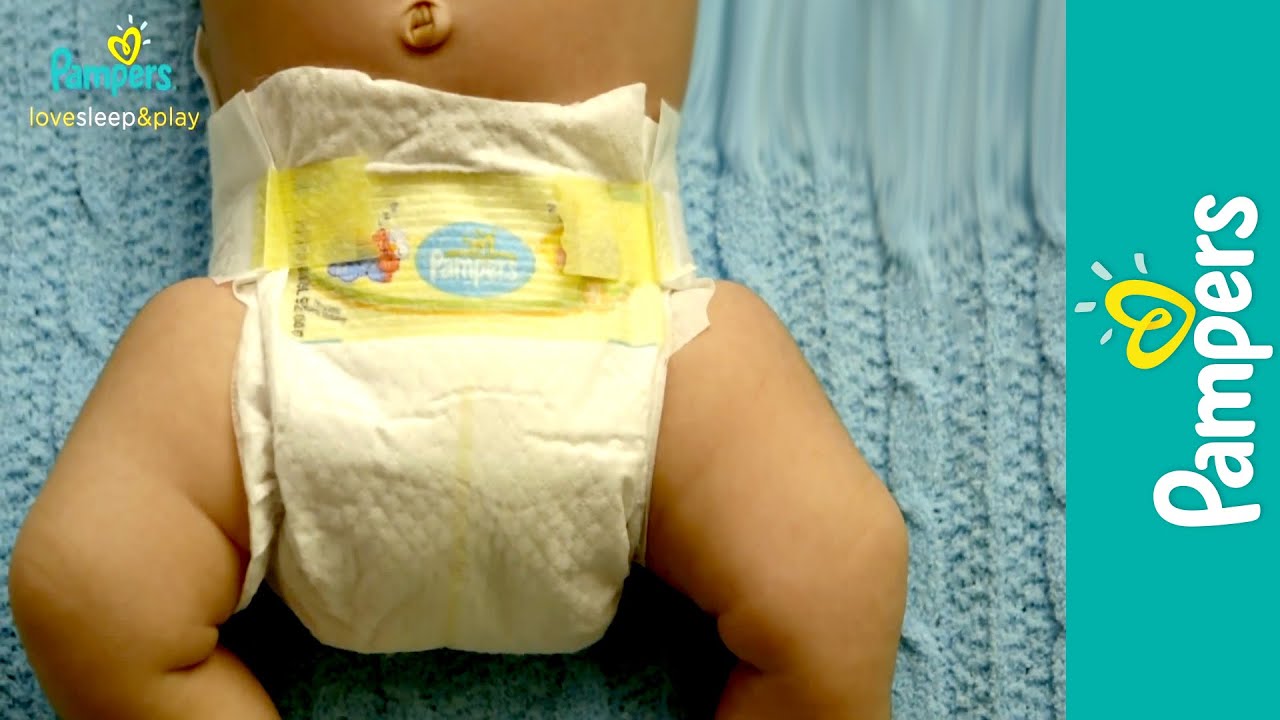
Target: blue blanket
888 175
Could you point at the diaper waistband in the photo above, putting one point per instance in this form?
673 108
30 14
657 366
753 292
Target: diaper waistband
315 126
375 255
333 213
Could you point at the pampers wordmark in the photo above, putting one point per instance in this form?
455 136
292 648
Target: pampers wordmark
1225 439
66 73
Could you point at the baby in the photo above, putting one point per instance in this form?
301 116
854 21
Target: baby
452 375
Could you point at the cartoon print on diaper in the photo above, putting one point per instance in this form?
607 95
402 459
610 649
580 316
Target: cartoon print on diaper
392 244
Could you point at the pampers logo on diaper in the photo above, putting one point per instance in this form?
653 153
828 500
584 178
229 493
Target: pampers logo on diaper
66 74
475 260
1224 344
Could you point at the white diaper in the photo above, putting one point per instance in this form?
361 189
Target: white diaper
447 480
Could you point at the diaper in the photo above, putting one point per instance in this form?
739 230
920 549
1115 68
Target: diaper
451 371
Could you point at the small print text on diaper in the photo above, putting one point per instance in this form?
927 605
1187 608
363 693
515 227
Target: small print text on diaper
301 298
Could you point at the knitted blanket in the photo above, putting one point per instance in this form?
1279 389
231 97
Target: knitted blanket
889 176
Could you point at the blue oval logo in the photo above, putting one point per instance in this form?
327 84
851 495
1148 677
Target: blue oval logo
475 260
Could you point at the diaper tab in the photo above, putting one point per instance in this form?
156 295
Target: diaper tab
675 266
598 227
318 216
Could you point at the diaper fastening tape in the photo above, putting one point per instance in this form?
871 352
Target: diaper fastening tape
385 254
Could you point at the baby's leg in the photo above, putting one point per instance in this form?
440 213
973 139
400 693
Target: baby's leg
764 512
132 556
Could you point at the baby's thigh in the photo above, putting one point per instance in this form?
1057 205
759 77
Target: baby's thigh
762 509
138 535
148 472
162 405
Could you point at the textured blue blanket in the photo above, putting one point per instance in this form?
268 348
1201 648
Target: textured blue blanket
888 175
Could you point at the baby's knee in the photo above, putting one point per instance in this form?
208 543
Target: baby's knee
831 620
90 594
867 583
855 575
67 616
885 531
42 594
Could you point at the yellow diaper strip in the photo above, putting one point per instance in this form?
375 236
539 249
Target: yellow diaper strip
391 254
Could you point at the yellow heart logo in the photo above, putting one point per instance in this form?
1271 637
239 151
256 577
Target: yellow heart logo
126 47
1154 320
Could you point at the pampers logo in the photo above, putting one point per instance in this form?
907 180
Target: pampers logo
475 260
1155 319
66 74
1229 359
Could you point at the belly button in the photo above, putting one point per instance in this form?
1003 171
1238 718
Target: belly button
427 24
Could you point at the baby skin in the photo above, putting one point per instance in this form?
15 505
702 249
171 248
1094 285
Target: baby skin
762 510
